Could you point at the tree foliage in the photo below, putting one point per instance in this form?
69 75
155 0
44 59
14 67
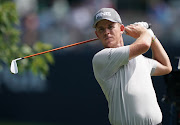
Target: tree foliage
11 47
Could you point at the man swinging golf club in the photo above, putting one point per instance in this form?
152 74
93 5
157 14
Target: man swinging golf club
124 74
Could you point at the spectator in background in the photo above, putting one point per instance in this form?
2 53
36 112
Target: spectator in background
30 24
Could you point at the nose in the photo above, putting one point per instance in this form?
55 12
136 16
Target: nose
107 31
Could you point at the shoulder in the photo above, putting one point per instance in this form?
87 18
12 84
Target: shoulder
101 54
112 54
109 51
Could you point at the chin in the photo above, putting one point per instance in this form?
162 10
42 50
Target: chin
110 44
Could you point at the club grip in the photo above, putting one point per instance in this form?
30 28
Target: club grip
149 25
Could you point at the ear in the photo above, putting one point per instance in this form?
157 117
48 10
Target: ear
96 34
122 28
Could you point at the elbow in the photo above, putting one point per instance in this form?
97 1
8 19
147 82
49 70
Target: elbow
146 44
145 47
169 69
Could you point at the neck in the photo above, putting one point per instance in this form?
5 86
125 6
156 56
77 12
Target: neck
120 43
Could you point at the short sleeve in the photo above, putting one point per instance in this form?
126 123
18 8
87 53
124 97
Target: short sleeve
152 64
109 60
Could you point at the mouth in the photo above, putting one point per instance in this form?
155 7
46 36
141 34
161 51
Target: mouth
108 38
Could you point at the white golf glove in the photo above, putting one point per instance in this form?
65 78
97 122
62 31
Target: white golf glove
146 25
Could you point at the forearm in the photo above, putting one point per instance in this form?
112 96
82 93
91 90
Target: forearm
143 40
159 54
140 46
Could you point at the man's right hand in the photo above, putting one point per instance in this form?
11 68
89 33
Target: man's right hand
135 30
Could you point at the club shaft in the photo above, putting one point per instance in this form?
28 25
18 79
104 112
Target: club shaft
63 47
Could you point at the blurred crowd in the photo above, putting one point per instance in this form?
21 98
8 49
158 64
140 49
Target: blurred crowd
166 16
58 22
62 22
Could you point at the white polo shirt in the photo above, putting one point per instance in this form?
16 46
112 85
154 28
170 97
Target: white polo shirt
127 86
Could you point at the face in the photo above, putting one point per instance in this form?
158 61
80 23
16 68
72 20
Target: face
110 33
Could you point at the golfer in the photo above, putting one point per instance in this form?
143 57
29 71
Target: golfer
124 74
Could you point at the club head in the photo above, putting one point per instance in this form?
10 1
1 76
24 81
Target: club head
14 68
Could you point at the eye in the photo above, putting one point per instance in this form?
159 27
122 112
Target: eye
110 27
101 29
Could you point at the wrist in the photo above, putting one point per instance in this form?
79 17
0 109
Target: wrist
154 38
145 32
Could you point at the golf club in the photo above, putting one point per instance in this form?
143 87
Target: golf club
14 67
